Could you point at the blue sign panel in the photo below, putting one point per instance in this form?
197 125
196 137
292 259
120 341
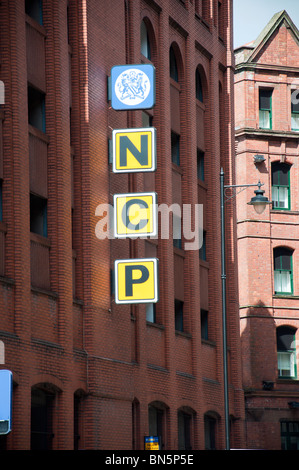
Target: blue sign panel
5 401
133 87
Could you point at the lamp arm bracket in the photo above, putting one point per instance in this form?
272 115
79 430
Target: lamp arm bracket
235 192
242 188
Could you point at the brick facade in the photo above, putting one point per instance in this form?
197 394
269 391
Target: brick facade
269 63
106 375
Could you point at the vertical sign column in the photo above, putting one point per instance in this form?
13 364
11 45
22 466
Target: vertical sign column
135 214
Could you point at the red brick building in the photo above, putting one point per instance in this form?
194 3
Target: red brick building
87 373
267 149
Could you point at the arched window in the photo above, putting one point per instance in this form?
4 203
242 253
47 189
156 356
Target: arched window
173 65
199 92
286 352
157 422
184 430
42 402
145 43
283 271
210 432
280 185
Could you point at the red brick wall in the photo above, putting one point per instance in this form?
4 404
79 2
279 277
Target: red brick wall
69 336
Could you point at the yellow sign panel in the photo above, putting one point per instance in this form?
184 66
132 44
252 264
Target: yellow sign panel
134 150
136 281
135 215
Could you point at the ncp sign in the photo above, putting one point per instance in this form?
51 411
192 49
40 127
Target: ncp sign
135 215
136 281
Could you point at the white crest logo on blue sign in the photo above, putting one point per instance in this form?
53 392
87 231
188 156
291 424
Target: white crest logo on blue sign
132 87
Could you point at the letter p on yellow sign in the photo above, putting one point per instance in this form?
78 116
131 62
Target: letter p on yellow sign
136 281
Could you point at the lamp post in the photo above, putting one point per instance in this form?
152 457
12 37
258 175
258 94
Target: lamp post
259 201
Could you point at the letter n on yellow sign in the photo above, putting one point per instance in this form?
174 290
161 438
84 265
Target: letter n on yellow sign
134 150
136 281
135 215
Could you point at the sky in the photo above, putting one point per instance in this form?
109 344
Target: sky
251 16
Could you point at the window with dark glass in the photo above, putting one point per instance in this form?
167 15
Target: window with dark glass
204 324
77 412
41 420
199 93
177 230
210 432
175 148
283 271
156 428
145 43
34 9
179 313
151 313
38 215
280 173
200 165
184 430
286 352
173 68
220 20
265 109
203 250
36 109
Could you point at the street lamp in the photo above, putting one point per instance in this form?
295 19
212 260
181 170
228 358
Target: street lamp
259 202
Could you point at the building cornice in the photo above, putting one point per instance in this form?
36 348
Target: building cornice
253 67
268 133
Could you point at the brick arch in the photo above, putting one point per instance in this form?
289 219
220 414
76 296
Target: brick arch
284 245
47 381
158 404
212 413
188 409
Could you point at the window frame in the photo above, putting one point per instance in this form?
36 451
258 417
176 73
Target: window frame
150 312
289 352
282 270
145 44
294 112
269 110
286 434
280 186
